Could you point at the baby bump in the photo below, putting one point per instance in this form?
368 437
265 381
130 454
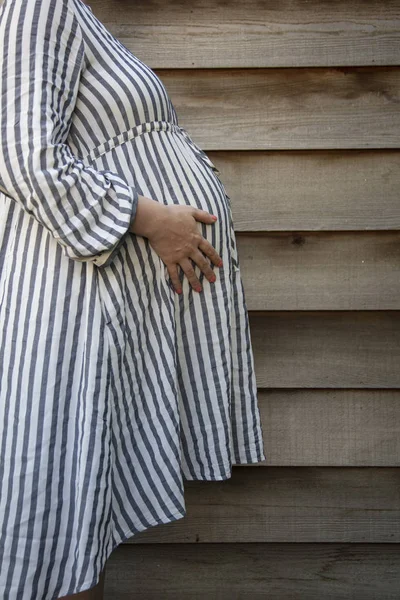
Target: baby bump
197 184
165 166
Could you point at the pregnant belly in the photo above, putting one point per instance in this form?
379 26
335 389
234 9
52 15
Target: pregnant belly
168 167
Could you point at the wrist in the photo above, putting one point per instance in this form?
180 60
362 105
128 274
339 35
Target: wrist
149 212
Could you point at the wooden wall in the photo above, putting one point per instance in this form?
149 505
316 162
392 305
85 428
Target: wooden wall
298 105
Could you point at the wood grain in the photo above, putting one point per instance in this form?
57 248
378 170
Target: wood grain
330 427
335 190
284 504
353 349
243 571
204 33
328 271
288 109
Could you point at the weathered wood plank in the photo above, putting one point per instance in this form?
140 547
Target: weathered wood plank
330 427
312 191
283 504
288 109
300 271
249 571
352 349
205 33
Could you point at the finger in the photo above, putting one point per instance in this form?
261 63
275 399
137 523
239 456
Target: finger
204 216
204 265
173 273
186 265
210 251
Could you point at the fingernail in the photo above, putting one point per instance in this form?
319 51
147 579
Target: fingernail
213 279
179 291
214 217
199 288
220 264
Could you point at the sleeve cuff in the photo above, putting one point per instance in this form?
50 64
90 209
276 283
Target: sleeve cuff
106 258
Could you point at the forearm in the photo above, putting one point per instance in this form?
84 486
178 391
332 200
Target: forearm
149 215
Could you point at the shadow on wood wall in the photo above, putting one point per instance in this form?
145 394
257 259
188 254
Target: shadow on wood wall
298 106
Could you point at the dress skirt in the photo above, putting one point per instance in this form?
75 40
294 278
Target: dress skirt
114 389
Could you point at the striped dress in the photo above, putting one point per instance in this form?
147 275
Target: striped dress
114 389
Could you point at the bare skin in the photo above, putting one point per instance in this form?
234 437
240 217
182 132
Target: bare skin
173 233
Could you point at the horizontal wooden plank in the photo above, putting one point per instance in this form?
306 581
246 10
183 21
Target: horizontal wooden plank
255 34
288 109
333 190
309 271
248 571
330 427
354 349
284 504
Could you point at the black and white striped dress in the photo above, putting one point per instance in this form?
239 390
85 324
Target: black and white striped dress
114 389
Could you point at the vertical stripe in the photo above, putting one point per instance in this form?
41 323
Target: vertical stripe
114 389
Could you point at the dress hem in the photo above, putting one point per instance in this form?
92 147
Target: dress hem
174 516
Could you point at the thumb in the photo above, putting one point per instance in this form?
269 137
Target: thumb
204 216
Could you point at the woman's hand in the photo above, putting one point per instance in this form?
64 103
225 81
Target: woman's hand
173 233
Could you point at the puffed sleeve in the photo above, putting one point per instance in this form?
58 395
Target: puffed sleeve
42 51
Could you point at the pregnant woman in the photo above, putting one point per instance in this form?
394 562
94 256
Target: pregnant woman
126 364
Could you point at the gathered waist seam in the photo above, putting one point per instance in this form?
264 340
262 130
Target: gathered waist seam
125 136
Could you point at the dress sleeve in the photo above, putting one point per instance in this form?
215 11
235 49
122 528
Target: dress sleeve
42 51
